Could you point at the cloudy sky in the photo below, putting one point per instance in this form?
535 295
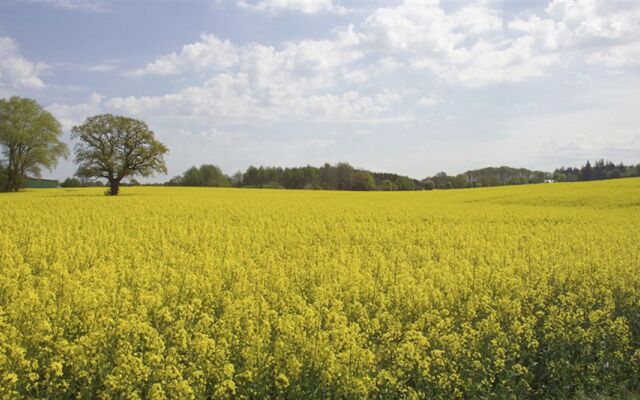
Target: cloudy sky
410 87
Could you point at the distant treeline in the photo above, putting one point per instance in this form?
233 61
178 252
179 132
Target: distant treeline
343 176
491 176
601 169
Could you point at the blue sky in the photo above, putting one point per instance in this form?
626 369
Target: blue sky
412 87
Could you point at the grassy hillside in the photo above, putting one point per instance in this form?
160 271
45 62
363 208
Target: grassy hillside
505 292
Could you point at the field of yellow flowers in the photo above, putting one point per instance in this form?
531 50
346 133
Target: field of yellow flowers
194 293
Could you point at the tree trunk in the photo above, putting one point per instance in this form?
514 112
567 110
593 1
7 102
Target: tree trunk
13 183
115 187
10 175
8 185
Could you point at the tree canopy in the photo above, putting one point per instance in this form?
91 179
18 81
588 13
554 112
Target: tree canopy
29 139
114 147
600 169
207 175
341 176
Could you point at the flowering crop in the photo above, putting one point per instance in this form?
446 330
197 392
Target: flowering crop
510 292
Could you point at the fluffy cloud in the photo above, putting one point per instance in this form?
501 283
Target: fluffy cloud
209 53
346 76
70 115
303 6
15 71
295 79
230 97
469 46
419 27
473 46
605 32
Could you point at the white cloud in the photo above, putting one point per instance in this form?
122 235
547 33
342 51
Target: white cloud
314 60
339 78
471 45
258 80
210 53
599 32
224 95
596 19
488 63
468 46
70 115
626 55
303 6
474 45
227 96
16 72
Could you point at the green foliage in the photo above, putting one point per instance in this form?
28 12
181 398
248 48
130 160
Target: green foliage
404 183
490 176
601 169
342 176
71 182
518 180
114 147
206 175
460 181
29 140
428 184
362 180
387 185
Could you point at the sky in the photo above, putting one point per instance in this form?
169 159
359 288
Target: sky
413 87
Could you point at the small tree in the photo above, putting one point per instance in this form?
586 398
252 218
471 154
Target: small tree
428 184
71 182
236 179
115 147
30 140
212 176
387 185
192 177
362 180
405 183
460 181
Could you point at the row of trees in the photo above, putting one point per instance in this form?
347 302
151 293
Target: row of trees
601 169
341 176
491 176
108 146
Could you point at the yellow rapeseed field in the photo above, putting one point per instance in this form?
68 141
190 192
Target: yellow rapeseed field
179 293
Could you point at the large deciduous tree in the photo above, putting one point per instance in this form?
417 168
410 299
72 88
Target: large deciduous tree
30 140
114 147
